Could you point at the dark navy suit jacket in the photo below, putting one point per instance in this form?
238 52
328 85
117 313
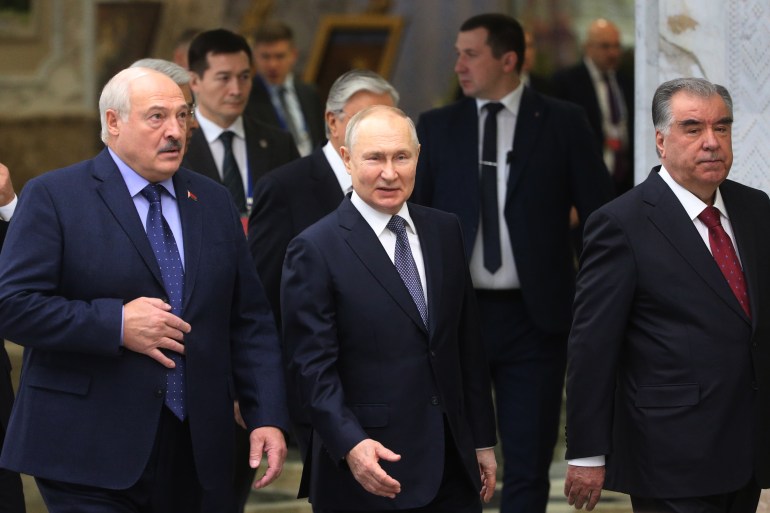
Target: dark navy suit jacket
554 165
365 365
87 410
667 375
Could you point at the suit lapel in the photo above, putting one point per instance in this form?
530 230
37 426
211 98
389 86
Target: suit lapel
367 247
116 197
528 123
257 148
192 227
669 217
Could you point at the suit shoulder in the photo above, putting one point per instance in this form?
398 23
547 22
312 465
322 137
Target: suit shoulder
289 173
441 115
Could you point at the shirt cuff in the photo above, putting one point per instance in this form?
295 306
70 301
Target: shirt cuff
6 211
591 461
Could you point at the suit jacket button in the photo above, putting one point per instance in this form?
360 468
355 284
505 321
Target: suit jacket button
159 392
433 354
434 400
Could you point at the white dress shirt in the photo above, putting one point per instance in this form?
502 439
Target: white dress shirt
212 131
611 130
340 171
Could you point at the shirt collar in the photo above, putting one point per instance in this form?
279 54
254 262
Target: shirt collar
212 131
510 101
692 204
379 220
335 162
134 181
596 74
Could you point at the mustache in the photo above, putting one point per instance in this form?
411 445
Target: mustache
171 145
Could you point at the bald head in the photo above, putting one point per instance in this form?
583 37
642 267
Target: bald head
603 45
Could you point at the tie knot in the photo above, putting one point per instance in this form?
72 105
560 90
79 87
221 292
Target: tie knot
227 138
710 217
152 192
493 108
397 225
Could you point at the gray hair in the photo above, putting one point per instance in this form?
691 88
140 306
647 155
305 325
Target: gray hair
351 132
174 71
352 82
662 117
116 96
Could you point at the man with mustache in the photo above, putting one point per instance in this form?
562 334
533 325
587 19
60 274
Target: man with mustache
131 287
667 386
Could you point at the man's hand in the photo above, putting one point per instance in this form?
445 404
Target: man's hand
149 326
363 462
6 187
488 469
583 485
267 440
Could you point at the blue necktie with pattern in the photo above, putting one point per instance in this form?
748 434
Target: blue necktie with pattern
404 262
171 270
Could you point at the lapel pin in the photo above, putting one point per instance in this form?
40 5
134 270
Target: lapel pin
192 196
262 143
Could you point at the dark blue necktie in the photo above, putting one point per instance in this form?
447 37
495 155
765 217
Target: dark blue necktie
490 220
404 262
231 174
172 272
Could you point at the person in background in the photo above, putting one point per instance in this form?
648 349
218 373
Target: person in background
182 46
510 163
607 95
230 147
278 97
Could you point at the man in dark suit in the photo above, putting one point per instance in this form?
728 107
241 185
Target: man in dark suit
668 388
278 98
229 147
515 220
607 95
11 491
380 325
131 288
289 199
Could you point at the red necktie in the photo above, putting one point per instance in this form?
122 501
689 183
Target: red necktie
725 256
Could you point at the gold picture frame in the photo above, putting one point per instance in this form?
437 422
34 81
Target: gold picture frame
345 42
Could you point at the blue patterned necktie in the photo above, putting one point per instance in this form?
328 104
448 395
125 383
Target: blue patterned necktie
404 262
172 272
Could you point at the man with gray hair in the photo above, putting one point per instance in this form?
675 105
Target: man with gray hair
130 286
381 334
296 195
668 394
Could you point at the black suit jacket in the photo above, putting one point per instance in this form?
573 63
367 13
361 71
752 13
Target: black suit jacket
553 166
266 148
574 84
261 107
286 201
6 387
667 375
367 367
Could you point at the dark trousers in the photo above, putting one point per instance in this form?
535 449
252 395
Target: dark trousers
744 500
456 493
11 491
169 483
527 367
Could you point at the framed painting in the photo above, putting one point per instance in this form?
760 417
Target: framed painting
345 42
